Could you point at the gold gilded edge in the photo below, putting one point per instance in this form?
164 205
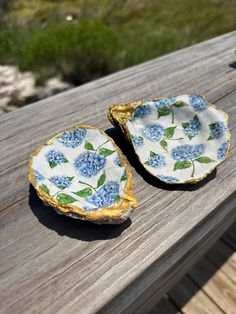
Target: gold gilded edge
127 109
110 214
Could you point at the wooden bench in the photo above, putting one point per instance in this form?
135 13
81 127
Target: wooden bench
51 263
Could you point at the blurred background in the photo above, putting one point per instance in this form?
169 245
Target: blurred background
48 46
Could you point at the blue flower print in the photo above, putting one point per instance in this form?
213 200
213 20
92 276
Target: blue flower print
198 103
137 140
164 102
72 139
117 161
105 196
217 129
192 127
55 158
61 182
153 132
221 151
38 176
186 152
142 111
89 163
187 155
169 179
156 160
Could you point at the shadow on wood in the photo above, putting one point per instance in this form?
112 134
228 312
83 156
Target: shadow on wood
209 286
128 151
73 228
232 65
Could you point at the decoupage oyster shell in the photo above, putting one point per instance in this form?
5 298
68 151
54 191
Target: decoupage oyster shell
82 173
177 139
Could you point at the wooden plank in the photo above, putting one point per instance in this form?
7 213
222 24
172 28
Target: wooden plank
185 68
223 257
192 300
52 263
215 284
188 296
179 267
93 110
165 307
230 237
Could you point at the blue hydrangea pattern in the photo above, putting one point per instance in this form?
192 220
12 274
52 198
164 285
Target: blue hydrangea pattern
157 161
192 127
217 129
153 132
137 140
89 163
221 151
72 138
38 176
105 196
61 182
164 102
169 179
198 103
117 161
187 152
142 111
55 158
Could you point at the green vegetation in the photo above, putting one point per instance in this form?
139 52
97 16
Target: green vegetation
83 40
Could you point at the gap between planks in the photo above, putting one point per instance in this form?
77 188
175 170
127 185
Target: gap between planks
210 287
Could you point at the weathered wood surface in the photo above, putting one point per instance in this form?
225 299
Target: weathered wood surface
51 263
213 290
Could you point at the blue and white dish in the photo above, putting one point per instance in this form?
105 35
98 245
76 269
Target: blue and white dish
82 173
177 139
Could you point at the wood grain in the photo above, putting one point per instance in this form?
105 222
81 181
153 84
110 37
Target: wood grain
188 297
217 255
165 307
230 237
51 263
191 300
220 288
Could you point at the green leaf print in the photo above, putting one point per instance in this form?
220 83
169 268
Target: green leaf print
84 193
163 111
123 177
65 198
88 146
185 125
164 144
182 165
204 160
44 188
101 180
105 152
152 154
52 164
117 199
169 132
179 104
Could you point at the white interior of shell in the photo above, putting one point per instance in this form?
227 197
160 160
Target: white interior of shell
179 139
81 168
